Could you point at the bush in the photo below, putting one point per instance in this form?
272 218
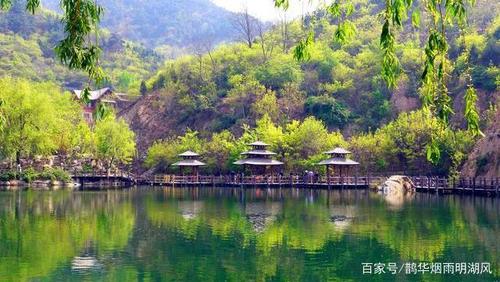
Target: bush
328 110
8 175
29 174
55 174
61 175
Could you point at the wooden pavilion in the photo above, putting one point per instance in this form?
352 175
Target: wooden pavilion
259 160
189 160
338 164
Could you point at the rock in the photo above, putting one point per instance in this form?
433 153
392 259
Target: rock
397 190
338 218
16 183
398 183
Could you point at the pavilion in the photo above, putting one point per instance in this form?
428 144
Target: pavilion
189 160
259 160
338 162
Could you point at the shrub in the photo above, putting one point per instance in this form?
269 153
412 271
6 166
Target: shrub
29 175
61 175
55 174
8 175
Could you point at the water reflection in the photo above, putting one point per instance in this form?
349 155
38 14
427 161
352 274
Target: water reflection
237 235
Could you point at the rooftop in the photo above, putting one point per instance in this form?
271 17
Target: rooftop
258 143
338 161
255 161
338 150
259 152
188 154
189 163
94 95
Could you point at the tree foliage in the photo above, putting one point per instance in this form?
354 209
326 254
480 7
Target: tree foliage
37 119
440 15
114 141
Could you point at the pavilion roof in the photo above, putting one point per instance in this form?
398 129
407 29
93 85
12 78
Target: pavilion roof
94 95
257 161
188 154
259 152
338 161
258 143
189 163
338 150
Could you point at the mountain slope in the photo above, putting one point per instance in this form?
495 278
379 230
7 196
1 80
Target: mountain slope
177 23
235 85
27 50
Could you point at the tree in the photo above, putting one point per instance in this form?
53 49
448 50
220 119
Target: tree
143 88
441 15
218 151
244 92
36 119
114 141
80 19
245 26
267 105
165 152
328 110
305 142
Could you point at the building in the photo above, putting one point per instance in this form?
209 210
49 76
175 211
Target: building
114 100
259 160
338 164
189 161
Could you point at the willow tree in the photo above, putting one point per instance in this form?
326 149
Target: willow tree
79 49
398 15
37 119
114 142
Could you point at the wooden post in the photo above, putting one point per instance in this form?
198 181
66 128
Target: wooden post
436 183
473 185
496 188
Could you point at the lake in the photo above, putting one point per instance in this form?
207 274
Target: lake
228 234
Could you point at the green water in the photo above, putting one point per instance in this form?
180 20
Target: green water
241 235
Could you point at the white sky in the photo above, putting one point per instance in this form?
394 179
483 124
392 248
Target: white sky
265 10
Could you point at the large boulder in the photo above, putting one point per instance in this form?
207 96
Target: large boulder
397 184
397 190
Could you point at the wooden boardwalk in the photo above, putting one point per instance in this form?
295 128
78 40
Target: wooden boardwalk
477 186
482 186
119 179
270 181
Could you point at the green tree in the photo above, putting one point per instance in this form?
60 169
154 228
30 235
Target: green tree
80 19
267 105
143 88
164 152
37 119
218 151
114 142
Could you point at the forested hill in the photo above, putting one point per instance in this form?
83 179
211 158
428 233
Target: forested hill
236 85
27 51
178 23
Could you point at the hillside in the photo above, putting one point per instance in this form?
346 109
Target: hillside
234 85
26 50
484 160
165 22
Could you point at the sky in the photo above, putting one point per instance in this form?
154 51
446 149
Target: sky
265 10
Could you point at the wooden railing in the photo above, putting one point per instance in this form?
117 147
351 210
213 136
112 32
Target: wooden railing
422 183
479 184
290 180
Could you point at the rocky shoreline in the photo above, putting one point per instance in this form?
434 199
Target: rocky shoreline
37 185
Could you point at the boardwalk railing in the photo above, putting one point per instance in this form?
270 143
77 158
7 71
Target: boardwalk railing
291 180
422 183
464 185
